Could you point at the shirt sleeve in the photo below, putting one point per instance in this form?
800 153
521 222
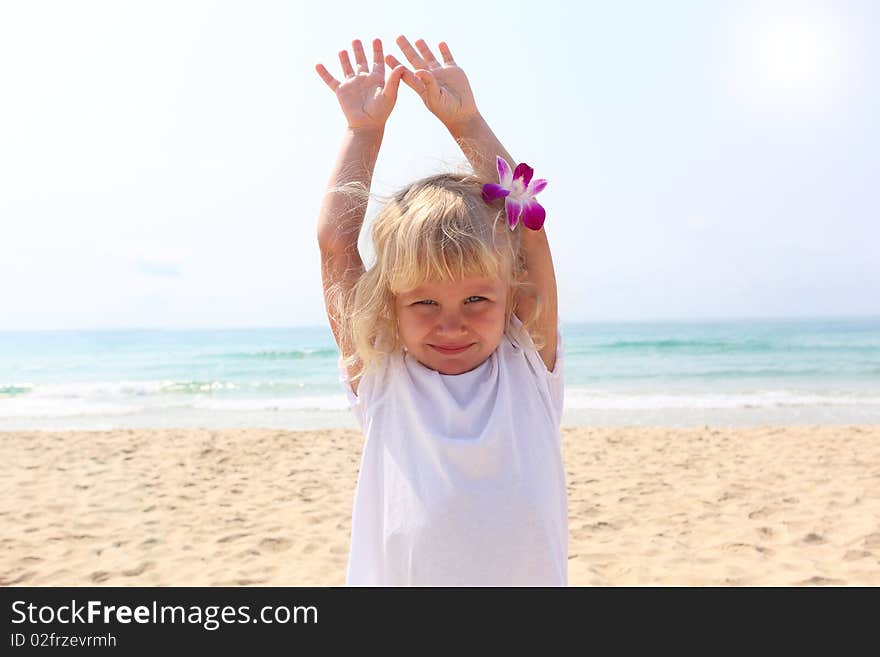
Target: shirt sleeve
555 379
355 401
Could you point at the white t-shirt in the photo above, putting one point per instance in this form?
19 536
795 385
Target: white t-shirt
461 480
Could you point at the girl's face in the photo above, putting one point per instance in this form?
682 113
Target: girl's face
452 327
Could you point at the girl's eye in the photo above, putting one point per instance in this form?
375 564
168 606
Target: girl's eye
428 302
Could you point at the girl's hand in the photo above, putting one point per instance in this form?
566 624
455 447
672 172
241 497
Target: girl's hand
366 97
444 88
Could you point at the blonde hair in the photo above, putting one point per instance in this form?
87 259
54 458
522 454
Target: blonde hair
438 228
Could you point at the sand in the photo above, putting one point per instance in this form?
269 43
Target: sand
647 506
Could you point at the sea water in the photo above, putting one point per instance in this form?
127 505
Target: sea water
677 374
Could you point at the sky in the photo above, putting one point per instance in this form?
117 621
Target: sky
162 163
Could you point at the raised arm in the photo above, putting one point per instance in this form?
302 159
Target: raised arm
445 90
339 223
366 99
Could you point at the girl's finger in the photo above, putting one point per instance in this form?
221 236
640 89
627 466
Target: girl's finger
406 75
393 83
428 82
409 78
346 64
427 55
378 57
410 52
446 54
359 57
332 82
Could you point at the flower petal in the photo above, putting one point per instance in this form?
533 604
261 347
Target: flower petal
525 172
505 177
491 192
514 208
536 186
533 215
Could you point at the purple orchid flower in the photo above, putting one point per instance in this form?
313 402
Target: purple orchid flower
518 191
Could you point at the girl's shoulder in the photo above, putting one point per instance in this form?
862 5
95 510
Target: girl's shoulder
517 336
551 385
372 382
520 342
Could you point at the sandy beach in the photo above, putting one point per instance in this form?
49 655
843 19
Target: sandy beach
647 506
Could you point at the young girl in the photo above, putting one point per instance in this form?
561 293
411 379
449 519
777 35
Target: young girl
451 356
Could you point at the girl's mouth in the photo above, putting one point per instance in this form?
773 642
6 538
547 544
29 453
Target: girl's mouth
450 349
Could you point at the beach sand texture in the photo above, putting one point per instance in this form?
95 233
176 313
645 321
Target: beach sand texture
647 506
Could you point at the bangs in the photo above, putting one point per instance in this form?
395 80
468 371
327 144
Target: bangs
450 256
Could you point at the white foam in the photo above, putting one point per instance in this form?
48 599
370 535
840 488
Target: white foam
97 389
127 398
311 403
50 408
587 399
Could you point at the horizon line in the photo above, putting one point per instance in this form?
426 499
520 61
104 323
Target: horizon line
562 322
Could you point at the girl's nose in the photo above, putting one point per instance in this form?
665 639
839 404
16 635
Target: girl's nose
451 322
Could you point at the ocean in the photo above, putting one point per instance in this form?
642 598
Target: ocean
677 374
